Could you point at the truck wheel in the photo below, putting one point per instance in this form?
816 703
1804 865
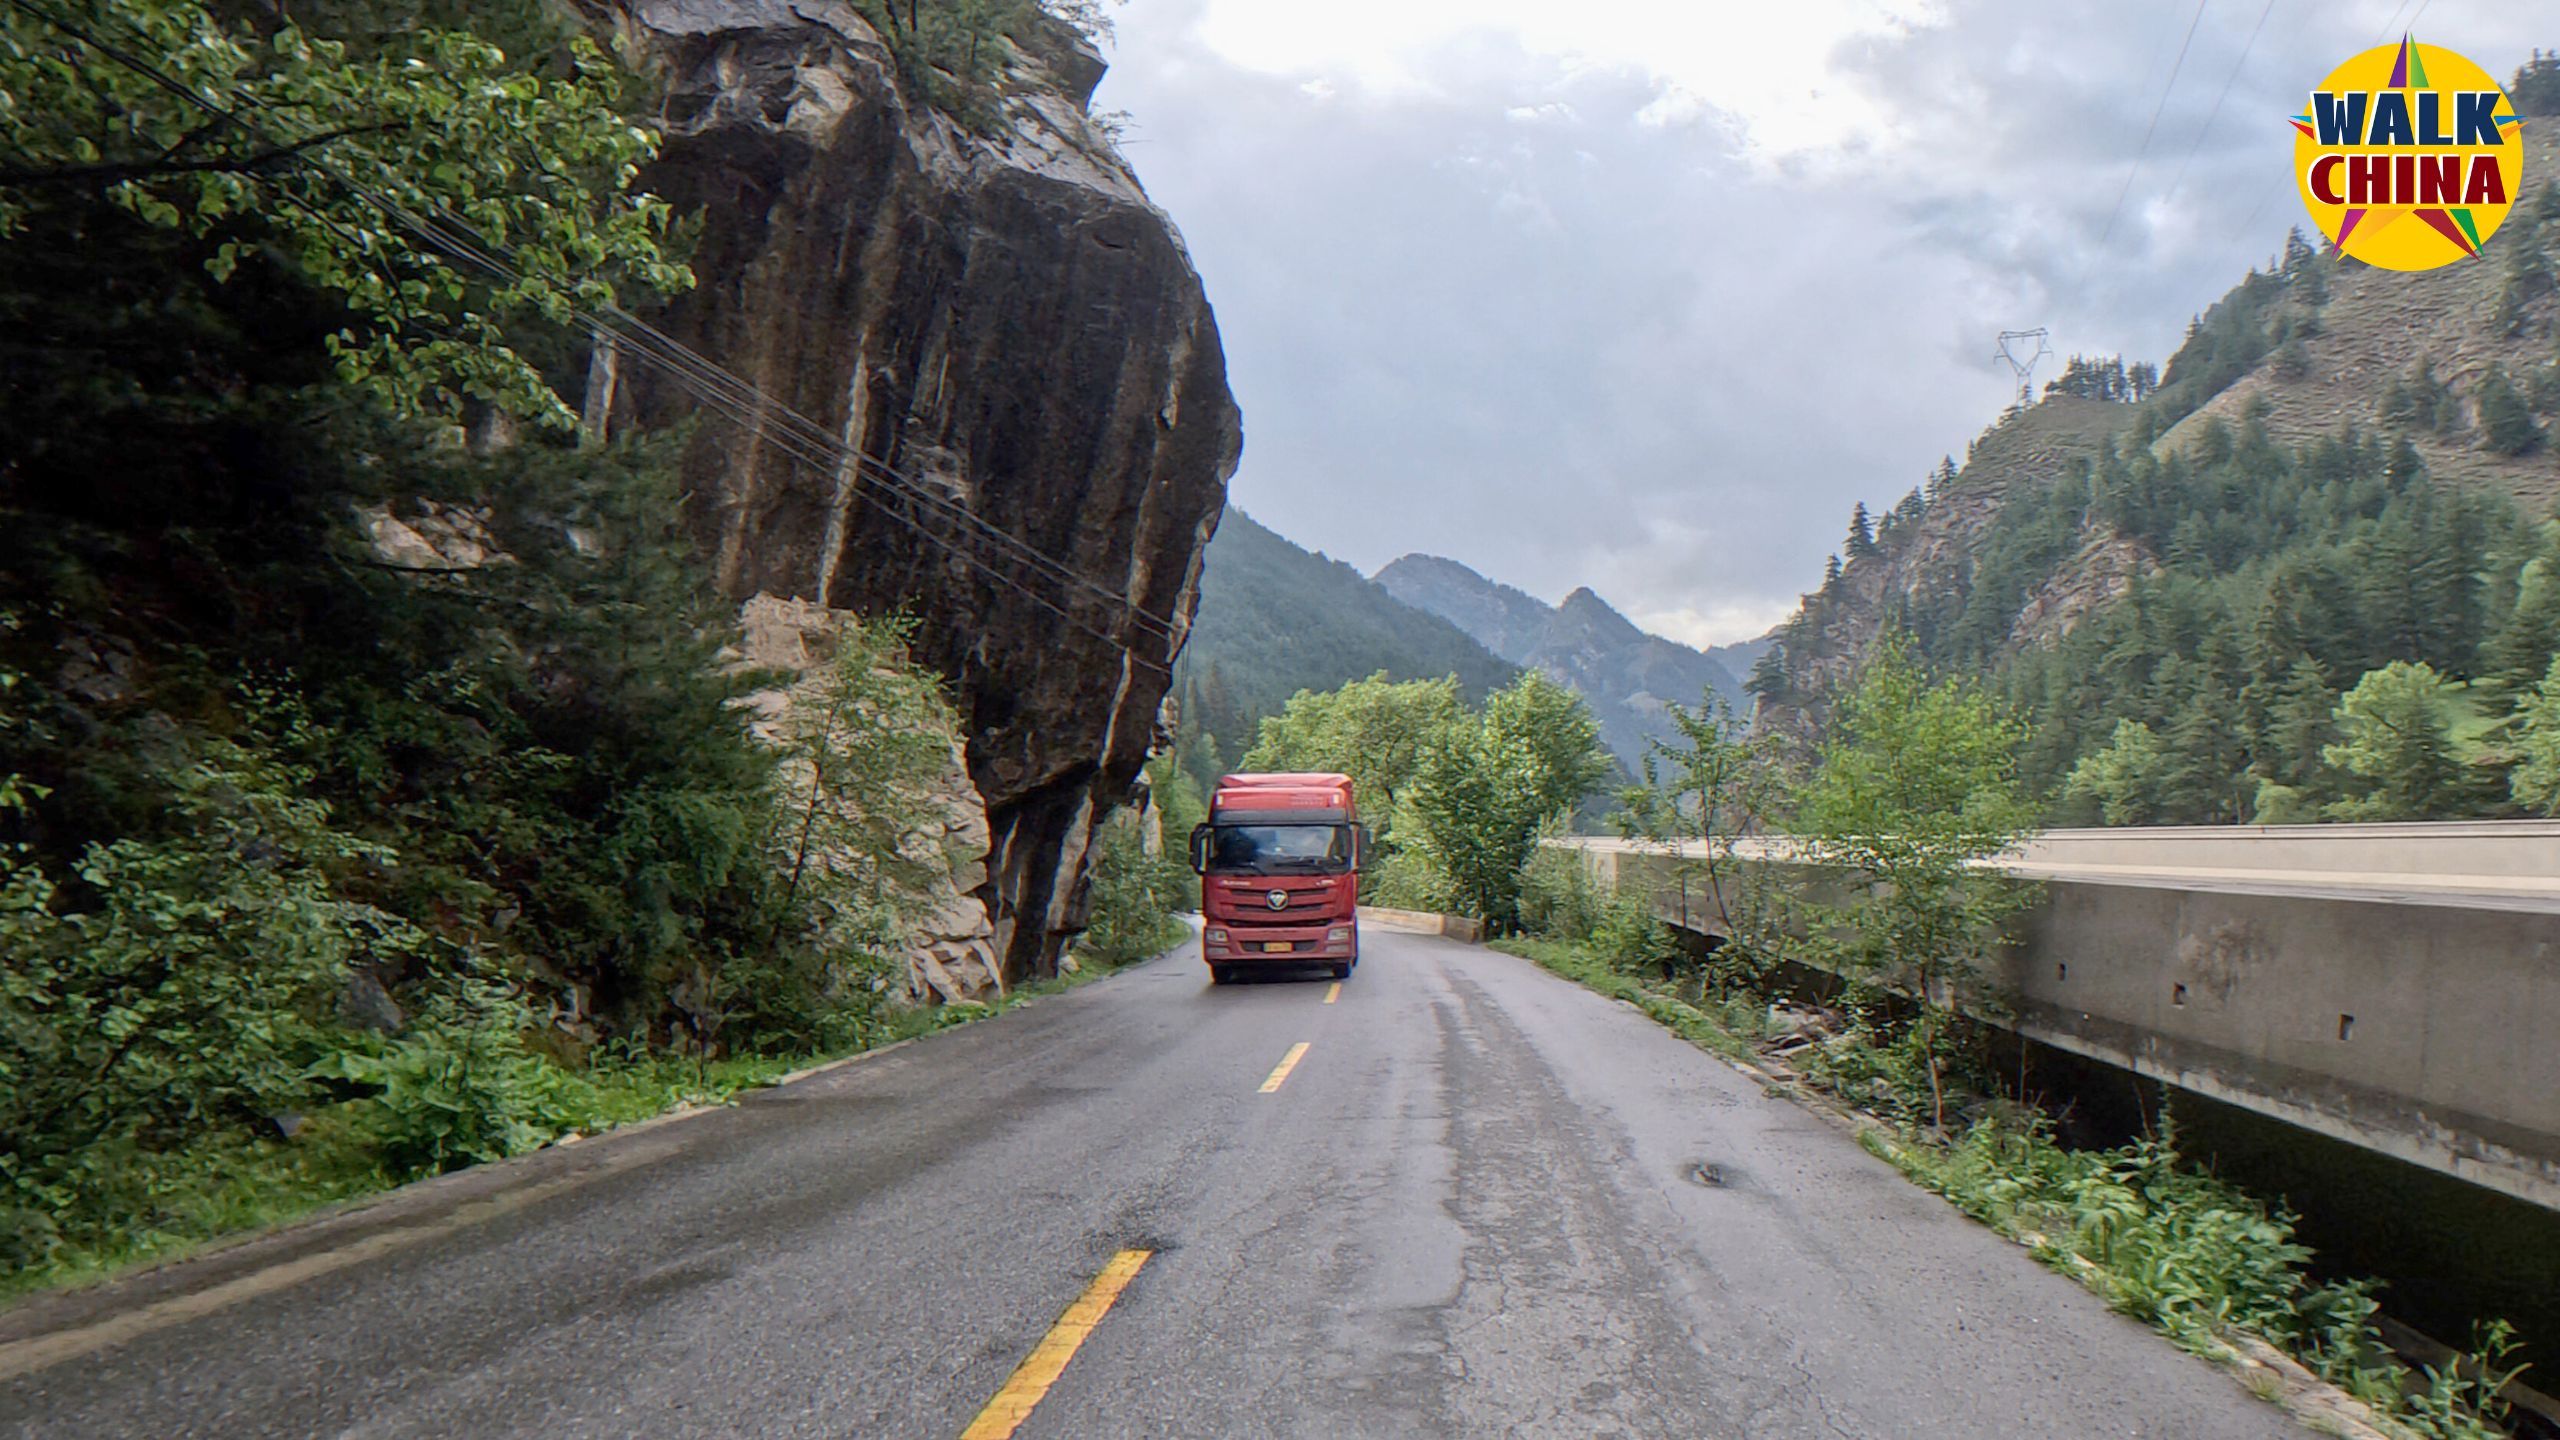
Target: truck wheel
1342 970
1222 974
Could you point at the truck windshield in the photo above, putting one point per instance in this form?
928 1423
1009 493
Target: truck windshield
1273 849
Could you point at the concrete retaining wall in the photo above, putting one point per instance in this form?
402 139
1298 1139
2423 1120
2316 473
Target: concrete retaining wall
1423 922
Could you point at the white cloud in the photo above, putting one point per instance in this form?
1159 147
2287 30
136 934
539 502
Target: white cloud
1645 298
1771 68
1554 112
1727 623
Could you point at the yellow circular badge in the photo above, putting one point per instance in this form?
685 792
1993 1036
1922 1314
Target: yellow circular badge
2409 157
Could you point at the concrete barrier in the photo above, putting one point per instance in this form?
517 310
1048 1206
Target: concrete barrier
1424 922
2393 986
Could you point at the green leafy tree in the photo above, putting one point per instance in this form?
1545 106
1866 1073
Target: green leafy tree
1133 895
1376 731
292 144
2121 779
1918 783
2396 744
1703 793
869 747
2535 782
1487 785
174 982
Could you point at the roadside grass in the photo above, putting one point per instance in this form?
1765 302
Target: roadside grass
2200 1260
230 1186
1708 1029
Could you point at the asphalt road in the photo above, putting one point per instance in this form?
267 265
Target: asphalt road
1466 1212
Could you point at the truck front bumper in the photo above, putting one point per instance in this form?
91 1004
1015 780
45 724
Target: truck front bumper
1224 944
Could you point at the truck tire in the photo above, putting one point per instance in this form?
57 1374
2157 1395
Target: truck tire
1342 970
1222 974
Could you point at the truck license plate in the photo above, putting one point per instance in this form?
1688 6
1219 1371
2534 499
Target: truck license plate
1277 947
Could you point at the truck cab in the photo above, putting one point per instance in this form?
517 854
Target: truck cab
1279 863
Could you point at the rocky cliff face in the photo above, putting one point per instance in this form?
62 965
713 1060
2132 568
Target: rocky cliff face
996 320
1627 675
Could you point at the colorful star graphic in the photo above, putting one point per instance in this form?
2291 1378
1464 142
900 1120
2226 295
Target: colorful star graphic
2455 223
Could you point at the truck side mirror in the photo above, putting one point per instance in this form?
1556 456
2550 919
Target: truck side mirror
1199 849
1361 840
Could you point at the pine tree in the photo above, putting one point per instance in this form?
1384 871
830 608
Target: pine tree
2529 638
2297 251
2535 782
2535 90
2506 422
1862 540
1768 679
2405 465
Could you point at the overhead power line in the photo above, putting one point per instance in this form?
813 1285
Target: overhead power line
2216 112
2241 231
765 419
2153 128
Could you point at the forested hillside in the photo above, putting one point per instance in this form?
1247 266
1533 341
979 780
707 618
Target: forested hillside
1275 620
2308 571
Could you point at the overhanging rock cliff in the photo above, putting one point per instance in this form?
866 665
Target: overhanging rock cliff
997 319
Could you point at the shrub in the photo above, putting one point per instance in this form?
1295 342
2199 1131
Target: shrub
1632 941
459 1087
173 983
1557 896
1133 897
1412 880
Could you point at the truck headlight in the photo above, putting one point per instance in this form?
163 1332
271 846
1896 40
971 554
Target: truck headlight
1215 936
1338 935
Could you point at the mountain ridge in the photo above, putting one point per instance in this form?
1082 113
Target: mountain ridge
1629 675
1276 618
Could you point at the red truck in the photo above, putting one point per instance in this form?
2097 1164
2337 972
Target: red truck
1279 864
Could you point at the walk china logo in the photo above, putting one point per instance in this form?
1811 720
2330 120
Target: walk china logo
2409 157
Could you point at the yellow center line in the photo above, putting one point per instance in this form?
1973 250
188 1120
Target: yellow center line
1333 992
1031 1379
1288 1062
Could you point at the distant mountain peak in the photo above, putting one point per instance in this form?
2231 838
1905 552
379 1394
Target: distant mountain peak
1585 643
1275 619
1506 621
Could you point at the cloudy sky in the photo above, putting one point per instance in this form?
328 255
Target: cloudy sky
1644 296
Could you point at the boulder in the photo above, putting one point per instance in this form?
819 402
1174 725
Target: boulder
993 316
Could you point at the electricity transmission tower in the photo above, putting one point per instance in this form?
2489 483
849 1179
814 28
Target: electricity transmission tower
2011 342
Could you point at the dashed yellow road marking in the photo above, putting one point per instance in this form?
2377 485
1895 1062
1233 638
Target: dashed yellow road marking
1288 1062
1333 992
1039 1370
